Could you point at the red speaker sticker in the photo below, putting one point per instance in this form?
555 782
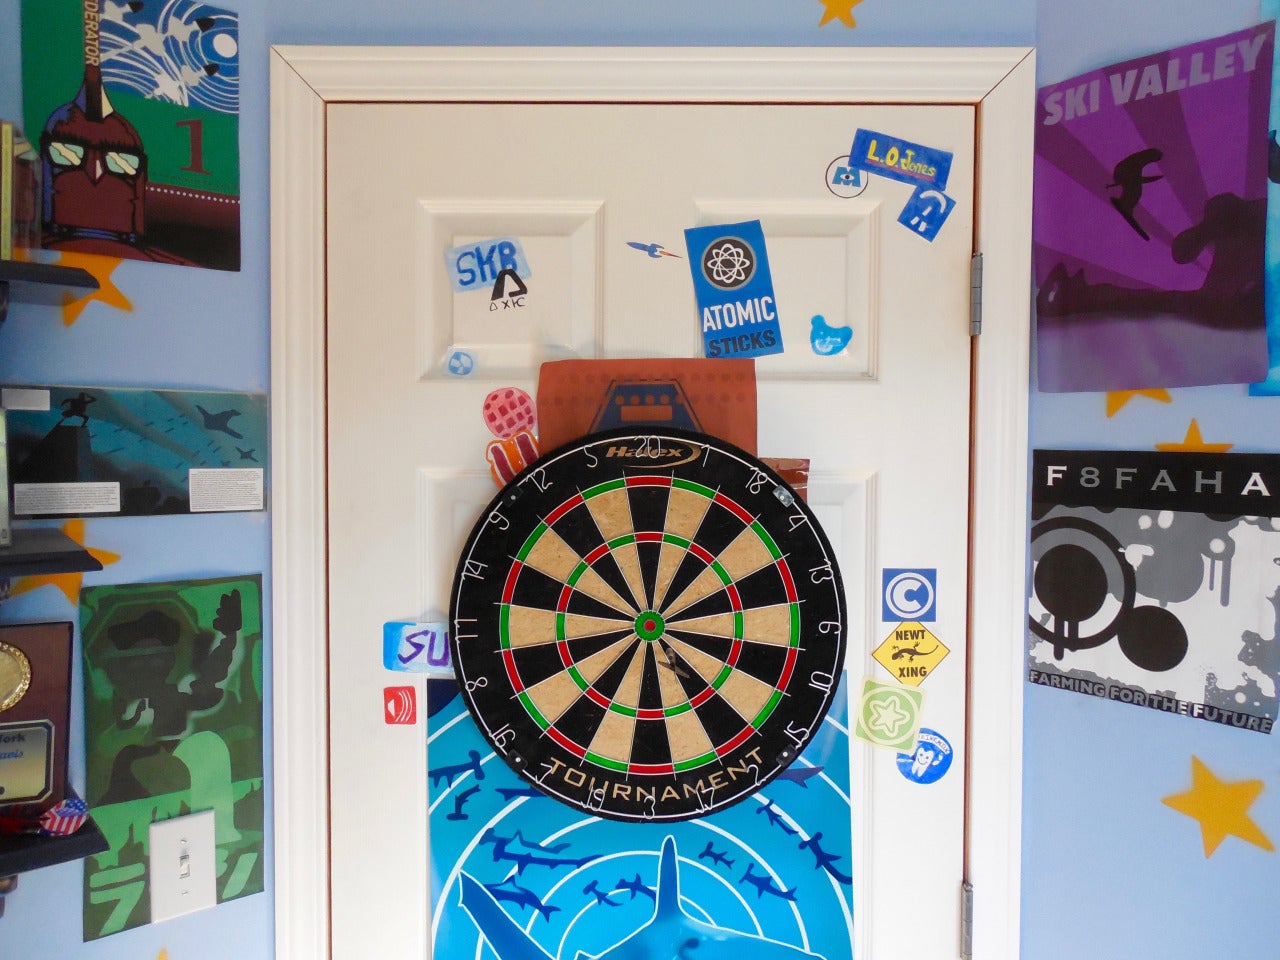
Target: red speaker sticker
400 705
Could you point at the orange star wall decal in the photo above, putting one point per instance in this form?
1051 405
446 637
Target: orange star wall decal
1194 443
1116 399
68 583
841 10
100 268
1221 807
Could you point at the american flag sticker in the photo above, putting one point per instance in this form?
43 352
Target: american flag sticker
65 818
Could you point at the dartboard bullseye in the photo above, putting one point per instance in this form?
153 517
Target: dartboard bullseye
648 625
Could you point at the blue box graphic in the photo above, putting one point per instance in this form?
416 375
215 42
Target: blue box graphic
900 159
909 594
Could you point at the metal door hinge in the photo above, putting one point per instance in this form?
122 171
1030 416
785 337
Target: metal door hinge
966 913
975 295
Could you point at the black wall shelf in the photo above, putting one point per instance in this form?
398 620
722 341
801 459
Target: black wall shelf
37 550
39 282
20 853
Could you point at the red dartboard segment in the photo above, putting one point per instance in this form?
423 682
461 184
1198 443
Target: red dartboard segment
737 741
648 481
733 508
787 581
509 588
513 675
564 508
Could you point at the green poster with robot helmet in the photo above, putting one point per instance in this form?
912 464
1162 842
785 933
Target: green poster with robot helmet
135 110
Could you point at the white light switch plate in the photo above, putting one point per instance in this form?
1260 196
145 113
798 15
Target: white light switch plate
184 866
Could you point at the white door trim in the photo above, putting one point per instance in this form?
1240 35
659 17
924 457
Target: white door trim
999 82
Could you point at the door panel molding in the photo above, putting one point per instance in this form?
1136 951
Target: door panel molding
998 82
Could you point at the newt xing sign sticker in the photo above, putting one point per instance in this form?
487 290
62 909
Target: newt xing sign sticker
1155 581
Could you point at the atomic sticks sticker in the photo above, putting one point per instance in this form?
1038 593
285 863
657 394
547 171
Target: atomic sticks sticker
734 290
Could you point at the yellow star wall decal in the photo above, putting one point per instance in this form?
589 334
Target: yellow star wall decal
1194 443
1116 399
68 583
100 268
841 10
1221 807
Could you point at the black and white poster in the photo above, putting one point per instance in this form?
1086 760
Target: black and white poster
1155 581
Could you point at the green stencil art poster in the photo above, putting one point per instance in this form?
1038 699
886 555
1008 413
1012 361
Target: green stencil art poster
135 108
173 725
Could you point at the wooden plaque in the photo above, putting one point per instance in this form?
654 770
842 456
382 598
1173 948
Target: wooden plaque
35 716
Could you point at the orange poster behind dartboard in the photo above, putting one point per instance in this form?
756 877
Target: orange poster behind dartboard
577 397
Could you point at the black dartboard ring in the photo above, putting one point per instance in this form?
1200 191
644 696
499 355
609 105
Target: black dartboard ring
648 624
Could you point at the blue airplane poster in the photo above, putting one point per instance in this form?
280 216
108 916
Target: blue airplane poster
83 451
516 875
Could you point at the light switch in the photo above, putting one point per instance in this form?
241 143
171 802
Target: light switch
183 866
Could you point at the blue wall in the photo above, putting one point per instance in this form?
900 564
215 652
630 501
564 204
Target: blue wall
1108 871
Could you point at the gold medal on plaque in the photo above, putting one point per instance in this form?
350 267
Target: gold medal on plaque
15 675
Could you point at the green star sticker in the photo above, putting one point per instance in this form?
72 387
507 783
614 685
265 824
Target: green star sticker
889 715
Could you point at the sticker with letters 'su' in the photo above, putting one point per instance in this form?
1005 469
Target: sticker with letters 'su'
900 159
477 266
410 647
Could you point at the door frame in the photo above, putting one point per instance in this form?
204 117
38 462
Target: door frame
999 82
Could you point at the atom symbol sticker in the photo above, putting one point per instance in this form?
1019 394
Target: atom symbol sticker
728 263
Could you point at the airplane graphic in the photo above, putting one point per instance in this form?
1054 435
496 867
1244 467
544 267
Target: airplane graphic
510 793
602 896
669 932
220 421
522 897
765 885
826 861
637 886
460 801
715 856
773 816
447 774
518 837
799 775
501 852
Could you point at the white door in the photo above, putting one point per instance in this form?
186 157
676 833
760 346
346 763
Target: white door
884 420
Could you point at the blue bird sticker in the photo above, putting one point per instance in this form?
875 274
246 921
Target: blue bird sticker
827 340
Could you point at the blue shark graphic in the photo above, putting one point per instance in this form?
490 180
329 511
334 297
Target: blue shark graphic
671 931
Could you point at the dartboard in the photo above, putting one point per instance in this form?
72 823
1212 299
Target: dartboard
648 624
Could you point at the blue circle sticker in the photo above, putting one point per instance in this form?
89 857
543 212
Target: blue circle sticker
929 760
461 363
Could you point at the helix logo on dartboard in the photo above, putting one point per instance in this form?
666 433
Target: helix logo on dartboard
653 453
728 263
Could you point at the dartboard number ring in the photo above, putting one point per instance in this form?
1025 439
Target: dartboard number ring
648 624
